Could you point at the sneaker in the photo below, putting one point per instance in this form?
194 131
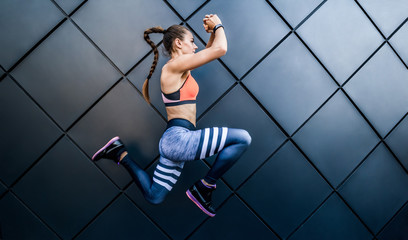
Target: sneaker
111 150
200 194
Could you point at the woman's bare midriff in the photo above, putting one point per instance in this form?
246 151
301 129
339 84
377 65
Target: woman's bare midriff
186 111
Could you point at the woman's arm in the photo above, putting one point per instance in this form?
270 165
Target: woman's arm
210 41
217 49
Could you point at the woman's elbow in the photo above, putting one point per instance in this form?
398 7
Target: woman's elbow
221 51
224 50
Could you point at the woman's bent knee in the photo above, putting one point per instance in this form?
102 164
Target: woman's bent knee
245 137
155 201
156 195
238 136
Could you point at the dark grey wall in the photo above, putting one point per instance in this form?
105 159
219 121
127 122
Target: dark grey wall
321 86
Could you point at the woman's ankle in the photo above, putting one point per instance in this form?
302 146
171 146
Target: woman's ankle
207 184
122 156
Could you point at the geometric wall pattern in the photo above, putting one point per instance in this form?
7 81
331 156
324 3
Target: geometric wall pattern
321 86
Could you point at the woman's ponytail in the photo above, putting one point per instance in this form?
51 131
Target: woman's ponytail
156 59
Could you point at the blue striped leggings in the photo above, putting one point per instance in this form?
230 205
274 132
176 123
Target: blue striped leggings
182 142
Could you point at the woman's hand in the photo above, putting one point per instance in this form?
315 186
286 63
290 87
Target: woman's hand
210 21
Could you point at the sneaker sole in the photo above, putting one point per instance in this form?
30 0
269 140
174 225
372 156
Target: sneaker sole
104 147
192 198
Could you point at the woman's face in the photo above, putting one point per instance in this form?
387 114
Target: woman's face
188 45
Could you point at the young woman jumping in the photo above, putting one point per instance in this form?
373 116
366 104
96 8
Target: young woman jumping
182 141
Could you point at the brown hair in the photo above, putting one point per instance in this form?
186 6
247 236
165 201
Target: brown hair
173 32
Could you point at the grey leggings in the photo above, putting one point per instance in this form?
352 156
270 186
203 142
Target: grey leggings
182 142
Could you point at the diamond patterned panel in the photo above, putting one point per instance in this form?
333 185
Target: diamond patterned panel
186 7
377 189
65 205
246 43
238 110
228 226
333 220
69 6
341 36
285 190
290 84
14 128
86 76
214 74
126 20
124 113
178 215
400 44
126 220
3 189
336 139
23 24
17 222
66 81
387 15
295 11
380 90
397 141
397 228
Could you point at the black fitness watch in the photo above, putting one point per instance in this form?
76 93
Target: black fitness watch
216 27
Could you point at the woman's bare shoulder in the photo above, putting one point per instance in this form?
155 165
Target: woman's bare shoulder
170 81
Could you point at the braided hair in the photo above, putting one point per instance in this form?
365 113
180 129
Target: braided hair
173 32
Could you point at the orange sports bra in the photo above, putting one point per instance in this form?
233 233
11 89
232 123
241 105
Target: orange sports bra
186 94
